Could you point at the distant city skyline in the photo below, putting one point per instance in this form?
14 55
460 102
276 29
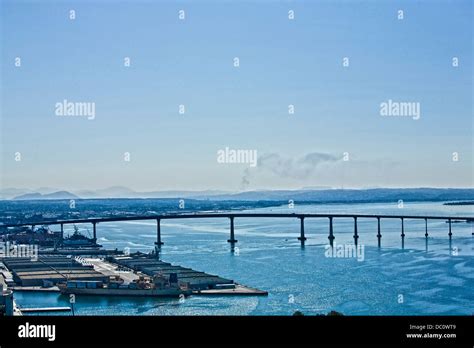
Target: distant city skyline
236 96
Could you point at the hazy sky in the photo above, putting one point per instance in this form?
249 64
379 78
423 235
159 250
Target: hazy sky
191 62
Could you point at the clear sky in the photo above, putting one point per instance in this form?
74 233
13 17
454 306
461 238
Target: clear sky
191 62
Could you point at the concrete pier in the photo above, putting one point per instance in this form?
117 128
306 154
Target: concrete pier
426 228
302 237
46 309
94 230
158 242
379 235
232 236
200 283
450 233
403 235
356 236
331 232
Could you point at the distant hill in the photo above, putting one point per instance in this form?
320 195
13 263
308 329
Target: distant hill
124 192
303 195
53 195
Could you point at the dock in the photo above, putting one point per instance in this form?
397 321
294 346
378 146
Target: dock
46 309
195 280
200 283
47 271
35 288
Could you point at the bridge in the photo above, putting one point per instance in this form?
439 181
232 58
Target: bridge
232 216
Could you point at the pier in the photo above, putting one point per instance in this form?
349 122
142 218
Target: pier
46 309
48 273
200 283
234 216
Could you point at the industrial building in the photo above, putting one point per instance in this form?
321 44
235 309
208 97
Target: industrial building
49 270
192 279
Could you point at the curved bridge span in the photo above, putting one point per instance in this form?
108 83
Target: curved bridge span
232 216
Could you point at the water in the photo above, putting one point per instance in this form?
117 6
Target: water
420 280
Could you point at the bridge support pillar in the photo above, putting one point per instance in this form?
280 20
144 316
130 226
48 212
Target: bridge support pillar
403 235
426 234
302 237
379 235
331 232
158 242
356 236
94 230
232 237
426 228
61 238
450 234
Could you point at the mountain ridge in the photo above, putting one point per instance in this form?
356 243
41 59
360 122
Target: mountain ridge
305 195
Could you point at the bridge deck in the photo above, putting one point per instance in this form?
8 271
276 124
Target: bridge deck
237 215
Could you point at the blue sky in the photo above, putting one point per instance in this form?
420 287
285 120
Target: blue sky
190 62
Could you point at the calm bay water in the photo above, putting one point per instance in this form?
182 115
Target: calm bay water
437 280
